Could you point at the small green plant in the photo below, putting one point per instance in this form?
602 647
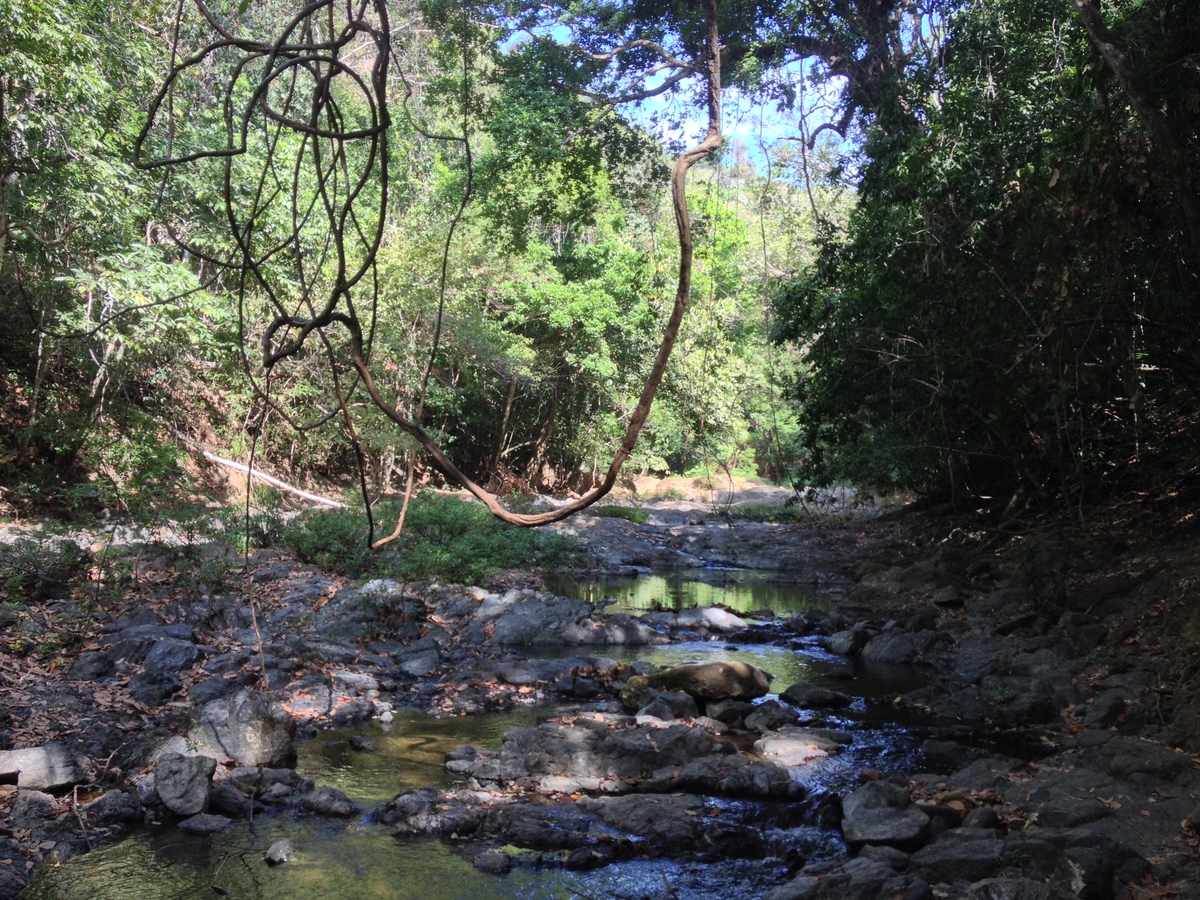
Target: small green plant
628 513
445 538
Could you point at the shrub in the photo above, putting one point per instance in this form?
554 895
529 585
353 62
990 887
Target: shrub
444 538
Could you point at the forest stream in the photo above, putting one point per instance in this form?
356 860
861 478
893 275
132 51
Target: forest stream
878 714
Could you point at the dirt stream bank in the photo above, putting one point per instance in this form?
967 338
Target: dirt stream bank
1063 677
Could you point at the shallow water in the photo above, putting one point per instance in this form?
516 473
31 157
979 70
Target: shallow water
358 859
738 589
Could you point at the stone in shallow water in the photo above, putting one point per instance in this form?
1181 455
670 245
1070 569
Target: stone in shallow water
204 823
795 746
731 680
280 852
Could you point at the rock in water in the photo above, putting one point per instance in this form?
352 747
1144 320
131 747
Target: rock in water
280 852
182 782
204 823
328 801
704 681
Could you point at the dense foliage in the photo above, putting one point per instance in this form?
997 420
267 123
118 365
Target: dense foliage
1010 310
983 287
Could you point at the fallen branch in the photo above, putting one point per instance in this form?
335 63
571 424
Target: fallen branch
260 474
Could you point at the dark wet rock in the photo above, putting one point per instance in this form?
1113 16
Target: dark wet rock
989 773
1070 812
280 852
154 688
792 746
351 712
587 749
896 859
704 681
92 666
730 712
328 801
951 860
204 823
426 812
945 755
732 775
849 642
583 859
857 879
883 813
1106 708
136 641
771 715
246 727
269 784
47 767
1012 889
676 704
1123 757
201 692
947 598
115 807
229 801
981 817
169 656
675 824
182 782
890 647
363 744
807 696
531 826
493 862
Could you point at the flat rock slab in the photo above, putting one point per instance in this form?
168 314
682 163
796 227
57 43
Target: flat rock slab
41 768
795 746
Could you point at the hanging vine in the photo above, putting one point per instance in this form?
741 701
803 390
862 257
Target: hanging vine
325 162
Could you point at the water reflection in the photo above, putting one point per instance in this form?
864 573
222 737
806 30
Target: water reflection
739 590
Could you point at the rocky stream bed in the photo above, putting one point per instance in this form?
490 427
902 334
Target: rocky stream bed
1041 751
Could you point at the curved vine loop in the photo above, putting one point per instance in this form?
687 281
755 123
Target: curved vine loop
289 93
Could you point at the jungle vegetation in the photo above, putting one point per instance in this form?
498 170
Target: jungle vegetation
943 245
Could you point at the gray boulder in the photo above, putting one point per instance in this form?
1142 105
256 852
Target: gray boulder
280 852
328 801
704 681
183 782
891 647
770 716
169 656
807 696
882 813
247 727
